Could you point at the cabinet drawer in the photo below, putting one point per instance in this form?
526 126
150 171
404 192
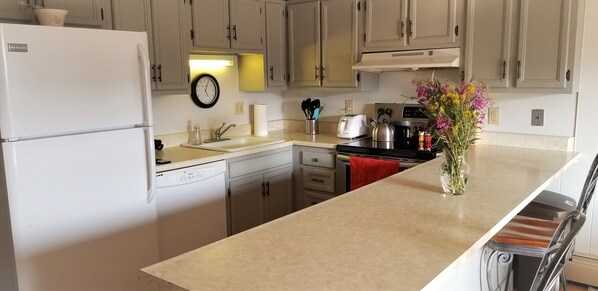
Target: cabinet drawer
313 198
319 179
318 159
259 163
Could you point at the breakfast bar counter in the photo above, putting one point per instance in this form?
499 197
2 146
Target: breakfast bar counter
398 233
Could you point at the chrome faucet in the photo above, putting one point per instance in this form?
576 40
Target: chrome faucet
219 132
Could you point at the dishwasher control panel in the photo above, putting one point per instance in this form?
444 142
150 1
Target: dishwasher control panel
189 175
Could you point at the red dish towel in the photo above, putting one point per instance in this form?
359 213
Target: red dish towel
365 171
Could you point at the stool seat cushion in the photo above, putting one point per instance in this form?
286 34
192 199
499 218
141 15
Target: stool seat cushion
526 231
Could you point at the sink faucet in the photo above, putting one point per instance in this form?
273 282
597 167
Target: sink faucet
219 132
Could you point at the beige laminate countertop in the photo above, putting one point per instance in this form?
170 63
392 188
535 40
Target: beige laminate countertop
397 233
182 157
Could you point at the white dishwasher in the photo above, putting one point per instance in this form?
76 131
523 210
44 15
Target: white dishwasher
191 206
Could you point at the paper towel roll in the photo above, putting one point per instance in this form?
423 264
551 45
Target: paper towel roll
260 119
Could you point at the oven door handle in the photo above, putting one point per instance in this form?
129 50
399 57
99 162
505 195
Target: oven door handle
404 164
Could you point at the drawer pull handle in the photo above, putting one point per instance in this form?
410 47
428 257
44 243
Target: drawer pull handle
317 180
315 160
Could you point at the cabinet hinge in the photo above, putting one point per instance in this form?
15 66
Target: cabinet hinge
568 75
288 76
462 75
102 13
457 30
260 10
192 34
358 6
358 77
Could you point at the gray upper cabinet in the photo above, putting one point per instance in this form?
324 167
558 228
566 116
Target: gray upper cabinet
411 24
164 21
11 11
303 27
323 44
489 43
81 13
222 25
544 34
339 43
84 13
276 57
523 47
385 22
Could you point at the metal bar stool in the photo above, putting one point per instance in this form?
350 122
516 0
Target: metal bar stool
528 235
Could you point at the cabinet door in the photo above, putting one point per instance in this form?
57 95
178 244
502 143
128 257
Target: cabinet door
433 23
85 13
385 25
304 44
543 43
246 203
11 11
246 20
134 15
339 43
210 24
488 52
171 67
275 44
279 193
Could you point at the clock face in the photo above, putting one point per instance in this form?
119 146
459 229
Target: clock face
205 90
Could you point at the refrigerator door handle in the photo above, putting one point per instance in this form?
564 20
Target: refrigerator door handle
148 130
146 90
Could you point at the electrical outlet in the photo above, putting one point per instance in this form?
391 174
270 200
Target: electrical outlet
348 106
537 117
239 108
494 115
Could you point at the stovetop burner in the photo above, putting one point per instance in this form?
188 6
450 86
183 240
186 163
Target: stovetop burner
386 149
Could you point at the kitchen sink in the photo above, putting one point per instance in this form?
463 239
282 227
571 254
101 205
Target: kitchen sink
235 144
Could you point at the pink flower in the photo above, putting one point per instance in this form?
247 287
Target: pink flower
443 124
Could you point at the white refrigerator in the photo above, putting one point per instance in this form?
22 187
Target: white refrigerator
77 168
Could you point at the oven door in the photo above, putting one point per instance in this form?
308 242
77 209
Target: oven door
343 169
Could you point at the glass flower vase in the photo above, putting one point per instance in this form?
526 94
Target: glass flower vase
454 173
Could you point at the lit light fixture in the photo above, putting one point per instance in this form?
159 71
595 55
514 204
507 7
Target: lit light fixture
210 61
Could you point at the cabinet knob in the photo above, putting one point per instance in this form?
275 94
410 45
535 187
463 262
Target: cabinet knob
315 160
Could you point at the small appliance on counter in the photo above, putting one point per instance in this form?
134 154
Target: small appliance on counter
352 126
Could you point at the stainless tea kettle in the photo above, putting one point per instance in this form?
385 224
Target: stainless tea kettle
384 130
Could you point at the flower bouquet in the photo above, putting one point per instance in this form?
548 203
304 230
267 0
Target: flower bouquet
456 113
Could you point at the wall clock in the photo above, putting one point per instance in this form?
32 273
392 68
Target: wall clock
205 90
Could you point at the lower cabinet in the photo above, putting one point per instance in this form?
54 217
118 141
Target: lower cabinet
316 172
260 188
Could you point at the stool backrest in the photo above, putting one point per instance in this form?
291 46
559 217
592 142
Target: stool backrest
553 262
588 188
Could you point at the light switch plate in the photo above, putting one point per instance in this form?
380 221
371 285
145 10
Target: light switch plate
494 115
239 108
348 106
537 117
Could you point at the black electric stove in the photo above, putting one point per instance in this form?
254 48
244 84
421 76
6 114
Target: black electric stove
408 120
369 147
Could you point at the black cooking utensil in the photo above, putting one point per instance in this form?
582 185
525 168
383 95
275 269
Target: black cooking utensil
304 106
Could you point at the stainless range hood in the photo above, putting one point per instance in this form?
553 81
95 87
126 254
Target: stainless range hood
408 60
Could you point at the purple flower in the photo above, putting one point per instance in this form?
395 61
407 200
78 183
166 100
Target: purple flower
443 124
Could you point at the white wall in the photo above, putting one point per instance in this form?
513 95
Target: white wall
559 109
171 112
586 131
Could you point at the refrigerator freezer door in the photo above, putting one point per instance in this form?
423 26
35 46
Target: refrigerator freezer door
57 80
79 212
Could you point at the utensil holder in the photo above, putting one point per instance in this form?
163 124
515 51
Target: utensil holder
312 126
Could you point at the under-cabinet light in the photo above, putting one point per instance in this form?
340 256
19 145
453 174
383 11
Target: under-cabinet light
212 64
